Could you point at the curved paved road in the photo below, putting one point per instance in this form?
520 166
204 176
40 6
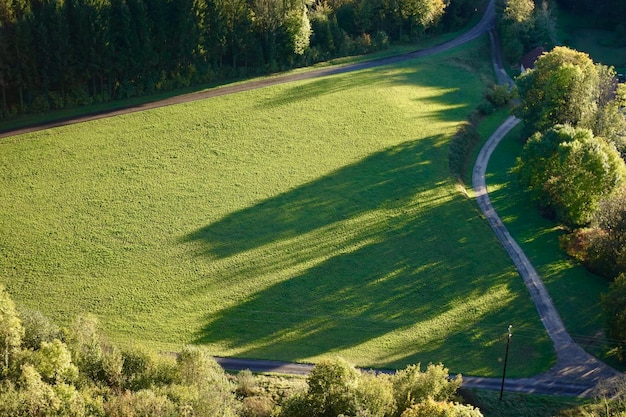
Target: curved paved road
574 365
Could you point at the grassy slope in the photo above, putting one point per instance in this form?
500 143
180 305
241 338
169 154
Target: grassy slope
575 292
288 222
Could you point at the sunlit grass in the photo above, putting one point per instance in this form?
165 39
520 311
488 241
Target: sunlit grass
290 222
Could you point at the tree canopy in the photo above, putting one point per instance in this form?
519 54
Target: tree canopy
562 89
569 171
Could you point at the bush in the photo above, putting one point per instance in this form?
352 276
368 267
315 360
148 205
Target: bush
332 388
461 147
499 95
257 406
485 107
37 329
412 386
380 41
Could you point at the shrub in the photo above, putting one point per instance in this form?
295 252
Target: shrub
37 329
614 307
412 386
485 107
499 95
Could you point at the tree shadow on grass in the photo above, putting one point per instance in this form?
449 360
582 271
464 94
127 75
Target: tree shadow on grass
377 248
387 179
405 280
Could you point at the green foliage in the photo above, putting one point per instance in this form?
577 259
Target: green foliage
83 51
332 388
602 246
39 398
85 346
375 394
412 385
432 408
299 30
37 328
519 11
499 95
337 388
569 171
562 89
525 25
486 107
11 330
566 87
144 403
212 392
53 361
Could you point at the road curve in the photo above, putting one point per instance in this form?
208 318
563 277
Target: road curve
574 365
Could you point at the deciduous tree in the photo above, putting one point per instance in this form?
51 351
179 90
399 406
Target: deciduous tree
569 171
562 89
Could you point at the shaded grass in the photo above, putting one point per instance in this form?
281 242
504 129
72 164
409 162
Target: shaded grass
574 290
289 222
522 405
602 45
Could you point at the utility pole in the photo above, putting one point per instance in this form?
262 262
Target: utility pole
506 358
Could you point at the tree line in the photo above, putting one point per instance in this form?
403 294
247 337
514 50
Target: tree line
62 53
74 372
524 25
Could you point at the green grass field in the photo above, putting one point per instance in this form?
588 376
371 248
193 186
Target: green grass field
291 222
601 44
575 291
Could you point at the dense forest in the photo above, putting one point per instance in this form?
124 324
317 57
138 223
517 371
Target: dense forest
62 53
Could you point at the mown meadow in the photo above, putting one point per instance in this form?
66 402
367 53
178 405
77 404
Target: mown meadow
291 222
